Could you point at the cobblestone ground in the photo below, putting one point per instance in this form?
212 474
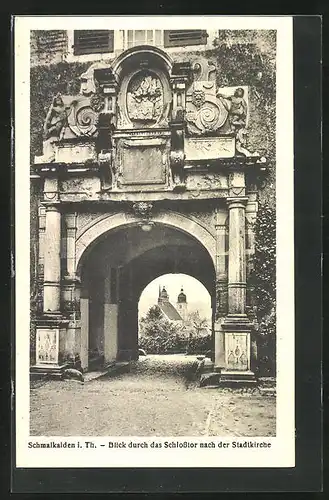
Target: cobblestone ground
157 397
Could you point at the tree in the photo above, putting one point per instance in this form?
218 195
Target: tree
195 326
154 314
264 282
198 324
158 335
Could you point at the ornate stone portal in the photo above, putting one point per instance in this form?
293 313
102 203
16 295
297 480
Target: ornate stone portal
145 131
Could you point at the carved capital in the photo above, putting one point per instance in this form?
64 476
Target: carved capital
71 221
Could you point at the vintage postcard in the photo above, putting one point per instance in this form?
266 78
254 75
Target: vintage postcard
154 241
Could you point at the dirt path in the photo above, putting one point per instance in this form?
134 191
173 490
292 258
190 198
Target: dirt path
156 398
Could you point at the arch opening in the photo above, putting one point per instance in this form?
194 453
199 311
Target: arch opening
174 316
114 272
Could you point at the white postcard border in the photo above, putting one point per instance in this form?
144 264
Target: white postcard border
282 450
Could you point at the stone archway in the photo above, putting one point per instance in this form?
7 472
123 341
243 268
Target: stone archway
99 227
116 260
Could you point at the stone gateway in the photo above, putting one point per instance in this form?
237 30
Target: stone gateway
144 171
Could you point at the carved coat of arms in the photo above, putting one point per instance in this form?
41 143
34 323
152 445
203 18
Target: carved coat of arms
145 98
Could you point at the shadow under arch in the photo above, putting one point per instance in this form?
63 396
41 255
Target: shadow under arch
102 226
116 248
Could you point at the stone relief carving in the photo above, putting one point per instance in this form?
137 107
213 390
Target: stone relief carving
145 98
82 119
143 209
204 70
88 83
237 109
205 112
54 125
67 117
237 358
56 119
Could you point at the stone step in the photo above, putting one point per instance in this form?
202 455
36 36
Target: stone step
232 379
38 371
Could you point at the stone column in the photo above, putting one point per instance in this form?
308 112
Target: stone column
52 260
237 257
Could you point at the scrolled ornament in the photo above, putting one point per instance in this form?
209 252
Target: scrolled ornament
86 120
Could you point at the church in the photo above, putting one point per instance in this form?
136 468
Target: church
172 313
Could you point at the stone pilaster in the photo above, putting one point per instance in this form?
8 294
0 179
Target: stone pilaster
71 228
221 293
221 271
52 260
42 231
110 316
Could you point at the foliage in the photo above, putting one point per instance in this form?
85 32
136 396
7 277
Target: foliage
199 345
161 336
163 344
264 281
153 314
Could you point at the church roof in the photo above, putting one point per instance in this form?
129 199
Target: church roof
170 311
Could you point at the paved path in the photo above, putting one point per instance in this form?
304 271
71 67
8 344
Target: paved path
156 398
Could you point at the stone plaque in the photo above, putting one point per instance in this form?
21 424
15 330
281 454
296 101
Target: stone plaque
237 351
210 148
47 346
143 161
72 153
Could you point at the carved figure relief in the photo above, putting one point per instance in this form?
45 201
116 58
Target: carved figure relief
145 98
56 119
237 109
54 126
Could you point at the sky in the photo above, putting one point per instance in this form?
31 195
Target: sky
198 297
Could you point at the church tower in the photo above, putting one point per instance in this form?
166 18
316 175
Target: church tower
163 295
182 305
